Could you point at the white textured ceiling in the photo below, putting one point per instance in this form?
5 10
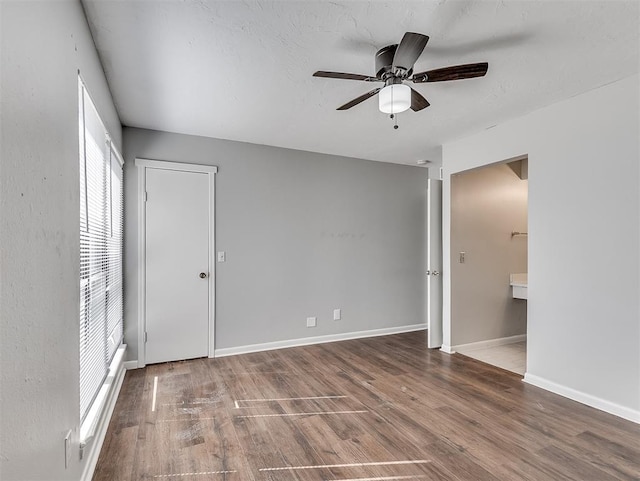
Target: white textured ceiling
242 70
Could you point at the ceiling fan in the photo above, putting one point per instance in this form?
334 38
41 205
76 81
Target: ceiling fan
394 66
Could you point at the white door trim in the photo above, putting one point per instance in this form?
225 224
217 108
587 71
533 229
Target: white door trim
211 170
434 263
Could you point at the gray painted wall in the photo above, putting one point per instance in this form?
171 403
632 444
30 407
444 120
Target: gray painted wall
487 204
304 234
43 46
583 334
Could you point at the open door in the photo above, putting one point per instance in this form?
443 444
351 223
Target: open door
434 263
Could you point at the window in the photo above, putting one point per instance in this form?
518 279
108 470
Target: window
101 223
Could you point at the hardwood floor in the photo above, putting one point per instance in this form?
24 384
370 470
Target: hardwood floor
384 408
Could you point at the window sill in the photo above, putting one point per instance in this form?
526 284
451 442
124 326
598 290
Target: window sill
97 412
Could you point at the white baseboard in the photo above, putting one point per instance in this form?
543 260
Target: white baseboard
501 341
306 341
129 365
584 398
94 443
448 349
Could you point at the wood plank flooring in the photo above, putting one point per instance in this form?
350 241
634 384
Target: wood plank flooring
377 409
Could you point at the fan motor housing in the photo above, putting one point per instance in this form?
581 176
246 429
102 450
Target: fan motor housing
384 59
384 62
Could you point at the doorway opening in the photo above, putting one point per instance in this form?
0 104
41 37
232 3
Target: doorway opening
489 263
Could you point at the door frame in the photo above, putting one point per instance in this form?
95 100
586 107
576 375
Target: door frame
142 166
434 324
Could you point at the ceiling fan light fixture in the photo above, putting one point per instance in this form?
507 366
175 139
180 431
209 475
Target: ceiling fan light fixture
394 98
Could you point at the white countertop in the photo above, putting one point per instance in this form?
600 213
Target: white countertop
518 280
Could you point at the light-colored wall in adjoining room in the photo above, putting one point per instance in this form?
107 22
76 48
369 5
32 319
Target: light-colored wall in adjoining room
584 233
304 234
487 204
43 45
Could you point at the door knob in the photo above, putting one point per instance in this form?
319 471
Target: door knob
435 273
203 275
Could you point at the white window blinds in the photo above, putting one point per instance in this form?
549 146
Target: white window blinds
101 223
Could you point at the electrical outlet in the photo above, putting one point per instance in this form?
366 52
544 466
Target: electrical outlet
67 449
337 314
461 258
311 322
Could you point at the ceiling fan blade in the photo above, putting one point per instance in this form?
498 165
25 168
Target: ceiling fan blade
418 102
409 49
346 76
457 72
356 101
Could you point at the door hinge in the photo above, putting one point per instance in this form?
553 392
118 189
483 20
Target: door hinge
145 336
146 196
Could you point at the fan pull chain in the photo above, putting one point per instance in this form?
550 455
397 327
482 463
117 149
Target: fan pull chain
393 115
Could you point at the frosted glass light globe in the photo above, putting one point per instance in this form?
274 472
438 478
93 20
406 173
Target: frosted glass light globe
394 98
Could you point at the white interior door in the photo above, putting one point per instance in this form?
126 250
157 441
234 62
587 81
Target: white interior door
177 265
434 263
